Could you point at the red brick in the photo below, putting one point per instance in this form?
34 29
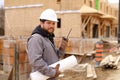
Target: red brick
21 68
7 60
11 60
22 57
9 51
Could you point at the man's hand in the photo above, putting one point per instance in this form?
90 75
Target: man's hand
63 44
57 70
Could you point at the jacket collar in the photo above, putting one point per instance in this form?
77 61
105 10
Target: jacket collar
44 33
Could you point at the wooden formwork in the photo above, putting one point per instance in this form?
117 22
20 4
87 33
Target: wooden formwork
73 44
81 48
78 45
1 49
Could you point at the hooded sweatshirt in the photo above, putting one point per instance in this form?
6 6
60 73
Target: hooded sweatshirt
42 52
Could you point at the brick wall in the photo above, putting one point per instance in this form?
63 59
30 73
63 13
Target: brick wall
8 56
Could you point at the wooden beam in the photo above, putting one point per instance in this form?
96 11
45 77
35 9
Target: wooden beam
10 76
94 72
85 22
102 25
16 62
117 60
83 26
89 71
82 59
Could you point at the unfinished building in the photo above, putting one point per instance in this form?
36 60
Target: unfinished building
89 20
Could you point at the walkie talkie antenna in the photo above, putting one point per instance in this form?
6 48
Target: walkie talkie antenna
69 33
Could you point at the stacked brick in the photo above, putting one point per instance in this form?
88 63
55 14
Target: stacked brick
8 56
24 67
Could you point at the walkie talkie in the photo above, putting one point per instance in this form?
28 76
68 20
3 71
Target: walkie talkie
62 47
66 38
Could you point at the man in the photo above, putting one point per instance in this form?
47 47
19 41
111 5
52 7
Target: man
41 49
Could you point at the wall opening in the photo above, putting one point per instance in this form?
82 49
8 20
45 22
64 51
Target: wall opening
59 23
90 3
2 15
84 1
116 32
108 31
95 31
58 1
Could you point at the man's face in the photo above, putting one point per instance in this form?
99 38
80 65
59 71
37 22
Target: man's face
48 26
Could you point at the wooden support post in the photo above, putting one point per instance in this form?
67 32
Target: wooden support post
16 62
84 20
84 24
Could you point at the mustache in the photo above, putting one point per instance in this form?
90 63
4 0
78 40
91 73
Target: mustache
51 28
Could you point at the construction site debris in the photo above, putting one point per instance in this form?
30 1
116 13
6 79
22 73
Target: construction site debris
89 71
110 62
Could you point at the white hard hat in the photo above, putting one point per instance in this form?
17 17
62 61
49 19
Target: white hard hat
49 14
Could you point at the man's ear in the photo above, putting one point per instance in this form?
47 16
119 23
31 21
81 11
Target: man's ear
41 23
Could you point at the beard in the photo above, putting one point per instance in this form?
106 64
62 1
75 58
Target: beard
49 30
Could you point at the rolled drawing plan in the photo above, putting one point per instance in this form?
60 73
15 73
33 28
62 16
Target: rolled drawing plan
65 64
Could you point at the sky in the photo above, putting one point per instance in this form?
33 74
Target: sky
1 2
113 1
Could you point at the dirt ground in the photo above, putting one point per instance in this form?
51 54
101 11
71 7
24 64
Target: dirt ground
102 74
